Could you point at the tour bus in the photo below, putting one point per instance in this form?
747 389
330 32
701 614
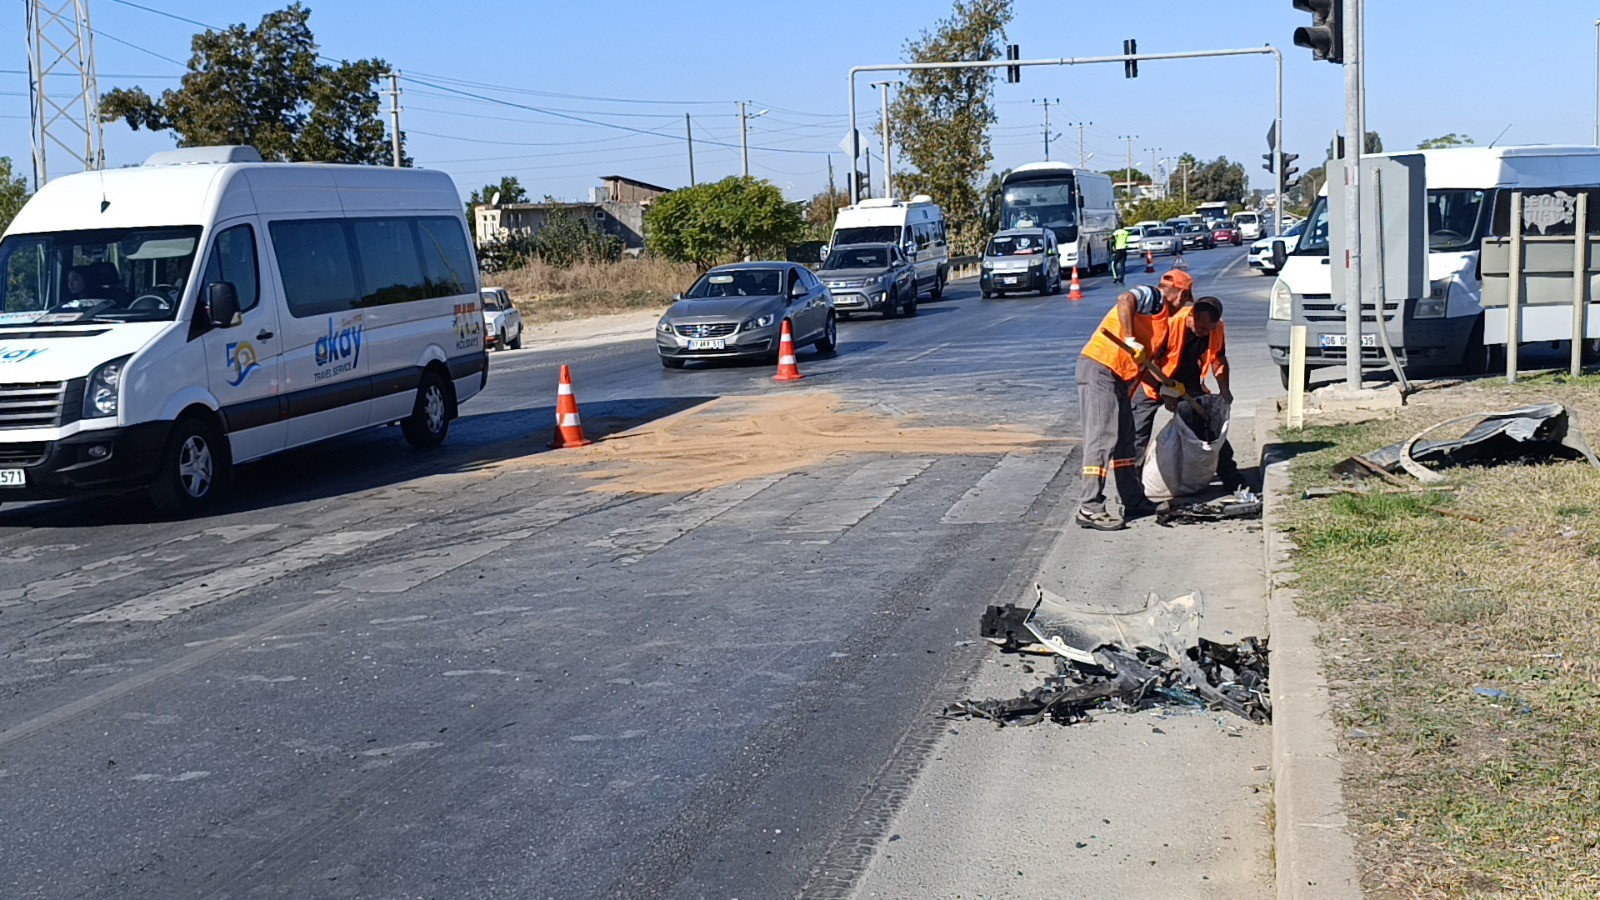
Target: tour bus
917 225
160 324
1216 211
1078 205
1445 329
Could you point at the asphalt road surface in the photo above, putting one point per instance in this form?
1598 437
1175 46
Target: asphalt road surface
378 672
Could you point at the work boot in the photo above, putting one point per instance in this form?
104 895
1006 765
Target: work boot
1099 521
1139 509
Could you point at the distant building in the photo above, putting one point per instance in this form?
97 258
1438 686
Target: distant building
616 208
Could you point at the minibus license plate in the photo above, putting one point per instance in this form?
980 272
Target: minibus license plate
1339 340
709 344
12 478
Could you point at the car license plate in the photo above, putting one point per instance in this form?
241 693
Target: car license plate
709 344
12 478
1011 279
1339 340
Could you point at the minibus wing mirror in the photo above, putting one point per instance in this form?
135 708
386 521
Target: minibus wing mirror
1279 254
222 305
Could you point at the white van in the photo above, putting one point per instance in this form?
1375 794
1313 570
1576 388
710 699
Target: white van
161 323
1445 329
1249 225
917 225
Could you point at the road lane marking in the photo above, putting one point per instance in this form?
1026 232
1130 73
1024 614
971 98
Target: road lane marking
210 587
1006 492
404 574
670 522
996 322
856 497
930 350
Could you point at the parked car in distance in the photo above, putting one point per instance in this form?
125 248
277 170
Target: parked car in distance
737 311
1226 233
502 324
1021 259
1196 236
1135 238
1260 252
1161 239
870 278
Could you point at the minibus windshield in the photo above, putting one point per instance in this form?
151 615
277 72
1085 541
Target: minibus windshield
103 275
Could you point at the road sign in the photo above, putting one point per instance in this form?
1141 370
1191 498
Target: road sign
851 144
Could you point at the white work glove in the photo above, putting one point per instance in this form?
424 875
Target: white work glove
1140 357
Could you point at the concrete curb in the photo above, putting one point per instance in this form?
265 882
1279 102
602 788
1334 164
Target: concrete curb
1314 851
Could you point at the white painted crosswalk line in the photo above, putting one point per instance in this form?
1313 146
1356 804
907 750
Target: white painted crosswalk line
856 496
1007 491
670 522
223 583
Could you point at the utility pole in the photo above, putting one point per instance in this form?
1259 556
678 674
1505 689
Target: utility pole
888 168
1355 144
1153 152
1046 104
394 114
688 133
833 204
60 42
744 141
1083 158
1127 174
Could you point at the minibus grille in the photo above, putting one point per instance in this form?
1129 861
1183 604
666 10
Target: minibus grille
32 405
22 454
1322 308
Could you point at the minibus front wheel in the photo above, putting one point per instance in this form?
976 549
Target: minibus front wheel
194 468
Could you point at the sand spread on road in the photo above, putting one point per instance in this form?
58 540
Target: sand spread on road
731 439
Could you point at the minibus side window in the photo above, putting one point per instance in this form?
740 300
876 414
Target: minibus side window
26 276
391 271
319 275
233 259
446 257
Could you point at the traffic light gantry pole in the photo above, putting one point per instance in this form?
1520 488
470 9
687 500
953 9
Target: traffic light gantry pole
853 137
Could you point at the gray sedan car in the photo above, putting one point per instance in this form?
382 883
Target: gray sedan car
737 311
1162 239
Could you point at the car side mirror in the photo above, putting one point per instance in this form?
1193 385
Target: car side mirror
222 305
1280 253
676 297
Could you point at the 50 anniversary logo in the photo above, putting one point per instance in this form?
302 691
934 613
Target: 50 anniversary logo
242 357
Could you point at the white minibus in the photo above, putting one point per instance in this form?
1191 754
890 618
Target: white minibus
162 323
1445 329
917 225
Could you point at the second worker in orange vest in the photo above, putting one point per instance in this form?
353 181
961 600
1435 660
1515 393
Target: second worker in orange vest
1197 346
1105 376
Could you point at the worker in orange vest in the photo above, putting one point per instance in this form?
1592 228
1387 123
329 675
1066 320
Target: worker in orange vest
1197 346
1105 376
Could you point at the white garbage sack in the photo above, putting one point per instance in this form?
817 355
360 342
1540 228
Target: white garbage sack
1182 459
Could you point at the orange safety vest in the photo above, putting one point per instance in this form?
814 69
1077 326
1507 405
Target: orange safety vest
1214 358
1148 329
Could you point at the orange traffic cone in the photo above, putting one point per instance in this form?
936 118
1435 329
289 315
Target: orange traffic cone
1076 292
569 428
787 369
1149 261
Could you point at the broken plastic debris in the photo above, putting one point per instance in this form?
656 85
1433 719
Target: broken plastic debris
1241 504
1531 433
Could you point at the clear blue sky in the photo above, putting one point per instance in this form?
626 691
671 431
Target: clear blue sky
1435 66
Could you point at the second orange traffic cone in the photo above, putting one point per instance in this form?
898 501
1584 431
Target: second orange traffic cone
788 370
569 427
1149 261
1076 292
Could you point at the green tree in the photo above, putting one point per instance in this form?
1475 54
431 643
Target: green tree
1373 144
1149 208
822 209
13 192
509 189
725 221
941 117
1447 140
266 87
1133 175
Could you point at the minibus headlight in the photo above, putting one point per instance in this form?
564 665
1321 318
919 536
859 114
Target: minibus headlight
1436 303
1282 306
100 395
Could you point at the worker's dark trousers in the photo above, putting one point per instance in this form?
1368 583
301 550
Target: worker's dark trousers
1119 265
1107 437
1145 408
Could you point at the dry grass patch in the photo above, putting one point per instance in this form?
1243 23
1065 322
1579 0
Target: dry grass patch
1464 657
545 293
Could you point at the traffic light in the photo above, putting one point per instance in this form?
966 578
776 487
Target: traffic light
1130 67
1325 36
1013 73
1289 171
1268 158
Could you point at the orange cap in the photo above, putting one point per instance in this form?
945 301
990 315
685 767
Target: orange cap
1178 279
